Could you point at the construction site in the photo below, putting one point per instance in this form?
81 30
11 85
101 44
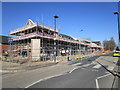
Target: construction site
38 42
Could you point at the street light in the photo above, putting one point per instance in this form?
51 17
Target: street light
118 63
55 44
118 29
55 21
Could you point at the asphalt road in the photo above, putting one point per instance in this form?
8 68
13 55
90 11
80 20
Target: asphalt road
89 60
88 75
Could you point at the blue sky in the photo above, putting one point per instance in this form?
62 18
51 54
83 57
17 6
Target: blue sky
96 19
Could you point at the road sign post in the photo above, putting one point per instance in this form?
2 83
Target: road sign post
10 41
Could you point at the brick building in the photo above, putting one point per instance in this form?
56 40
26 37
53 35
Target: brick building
4 45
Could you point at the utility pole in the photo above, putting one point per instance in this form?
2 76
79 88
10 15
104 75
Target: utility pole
118 28
118 63
55 43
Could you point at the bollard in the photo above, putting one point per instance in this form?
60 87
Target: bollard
68 58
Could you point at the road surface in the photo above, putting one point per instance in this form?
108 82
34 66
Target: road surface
87 75
83 73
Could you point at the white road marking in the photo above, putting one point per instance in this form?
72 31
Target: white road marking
110 68
95 70
86 65
103 76
77 64
97 85
34 83
107 72
83 68
97 66
73 69
43 80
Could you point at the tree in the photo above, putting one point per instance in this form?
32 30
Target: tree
109 44
112 44
106 45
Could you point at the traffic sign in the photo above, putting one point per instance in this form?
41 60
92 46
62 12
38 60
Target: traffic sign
10 41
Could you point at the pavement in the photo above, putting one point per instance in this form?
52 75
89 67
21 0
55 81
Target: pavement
9 67
21 80
109 61
31 77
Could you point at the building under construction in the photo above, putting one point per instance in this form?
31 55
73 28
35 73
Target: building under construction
36 41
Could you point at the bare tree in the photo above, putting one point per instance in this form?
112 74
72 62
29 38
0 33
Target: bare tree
109 44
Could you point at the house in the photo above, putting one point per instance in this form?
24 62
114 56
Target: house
4 45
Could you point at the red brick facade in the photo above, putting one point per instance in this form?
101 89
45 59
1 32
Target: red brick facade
4 49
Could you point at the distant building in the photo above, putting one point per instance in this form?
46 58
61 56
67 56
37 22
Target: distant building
4 45
36 41
97 42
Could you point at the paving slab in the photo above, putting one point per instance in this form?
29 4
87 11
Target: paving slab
109 61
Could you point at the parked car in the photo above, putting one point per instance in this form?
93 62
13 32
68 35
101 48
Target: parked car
116 54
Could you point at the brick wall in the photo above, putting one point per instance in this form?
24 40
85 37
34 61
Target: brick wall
4 49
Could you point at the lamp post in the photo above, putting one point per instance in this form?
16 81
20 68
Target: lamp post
118 63
117 13
118 29
55 44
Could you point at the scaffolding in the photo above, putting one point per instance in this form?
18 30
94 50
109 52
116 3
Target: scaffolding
65 45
